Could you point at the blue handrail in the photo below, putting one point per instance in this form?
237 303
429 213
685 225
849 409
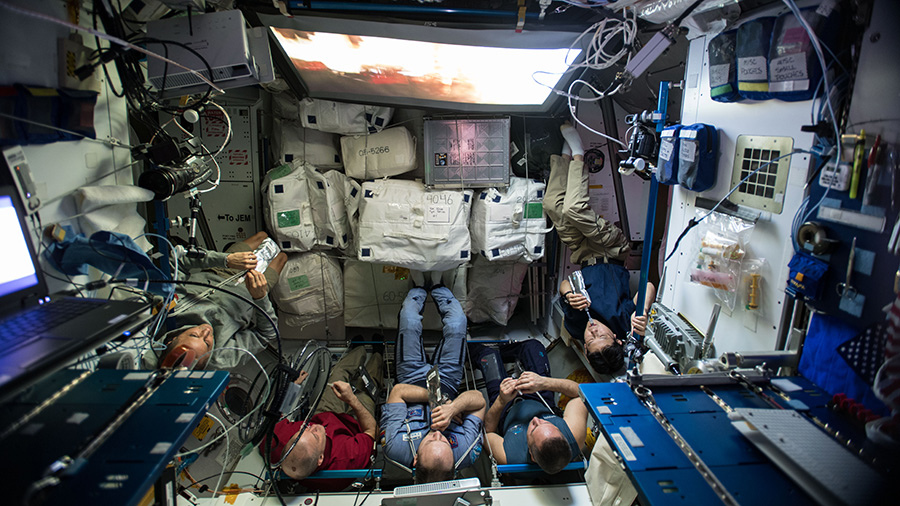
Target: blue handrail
526 468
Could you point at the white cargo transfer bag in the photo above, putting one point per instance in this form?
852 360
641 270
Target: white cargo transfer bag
510 224
290 142
341 118
305 208
374 293
310 290
494 289
402 224
387 153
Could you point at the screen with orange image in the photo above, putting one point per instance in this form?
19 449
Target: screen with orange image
432 73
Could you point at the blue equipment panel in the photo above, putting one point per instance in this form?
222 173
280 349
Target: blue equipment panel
657 466
124 466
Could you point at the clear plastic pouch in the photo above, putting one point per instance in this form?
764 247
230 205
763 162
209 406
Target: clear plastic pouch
719 254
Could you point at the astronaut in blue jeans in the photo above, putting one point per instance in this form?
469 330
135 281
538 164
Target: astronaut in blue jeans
433 442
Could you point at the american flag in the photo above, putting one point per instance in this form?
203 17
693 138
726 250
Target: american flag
887 381
865 352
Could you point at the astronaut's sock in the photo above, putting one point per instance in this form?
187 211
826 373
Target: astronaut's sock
572 138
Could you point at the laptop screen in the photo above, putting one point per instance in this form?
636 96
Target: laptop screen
18 268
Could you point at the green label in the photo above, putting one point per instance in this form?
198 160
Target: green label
289 218
280 171
534 210
298 283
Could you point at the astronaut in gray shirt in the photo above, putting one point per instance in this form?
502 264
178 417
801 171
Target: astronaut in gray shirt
436 441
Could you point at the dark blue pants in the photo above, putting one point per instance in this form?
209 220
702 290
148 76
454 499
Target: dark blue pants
531 354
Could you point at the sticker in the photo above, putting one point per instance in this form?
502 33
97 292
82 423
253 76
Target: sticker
718 74
77 418
665 150
626 452
500 213
790 67
826 7
440 159
281 171
786 385
437 214
32 429
603 410
534 210
688 151
632 437
184 418
160 448
203 428
298 283
288 218
752 68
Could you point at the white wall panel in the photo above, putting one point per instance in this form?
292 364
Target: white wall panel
29 56
740 330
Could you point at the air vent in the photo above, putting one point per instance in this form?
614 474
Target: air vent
764 190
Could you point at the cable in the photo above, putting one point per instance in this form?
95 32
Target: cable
110 38
600 95
694 222
227 449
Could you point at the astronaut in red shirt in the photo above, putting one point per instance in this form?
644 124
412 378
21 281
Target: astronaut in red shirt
341 433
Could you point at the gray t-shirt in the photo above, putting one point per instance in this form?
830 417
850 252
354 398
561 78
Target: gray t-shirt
403 427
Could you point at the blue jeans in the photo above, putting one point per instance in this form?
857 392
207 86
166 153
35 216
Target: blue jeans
450 355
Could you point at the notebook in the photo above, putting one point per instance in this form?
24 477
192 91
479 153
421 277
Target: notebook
40 334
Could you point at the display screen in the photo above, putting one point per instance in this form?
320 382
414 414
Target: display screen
464 70
18 268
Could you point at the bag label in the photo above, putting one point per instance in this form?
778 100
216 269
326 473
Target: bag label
437 214
534 210
666 149
298 282
790 67
752 68
718 74
500 213
288 218
280 171
688 151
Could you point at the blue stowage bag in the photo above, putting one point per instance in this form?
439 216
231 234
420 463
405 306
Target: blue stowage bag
794 70
806 276
698 155
667 163
722 70
752 53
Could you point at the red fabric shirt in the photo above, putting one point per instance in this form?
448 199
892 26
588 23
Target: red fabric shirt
346 446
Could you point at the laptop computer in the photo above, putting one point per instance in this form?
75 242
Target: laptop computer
40 334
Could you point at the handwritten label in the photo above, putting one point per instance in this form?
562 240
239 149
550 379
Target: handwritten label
790 67
752 68
826 7
438 214
718 74
688 151
665 150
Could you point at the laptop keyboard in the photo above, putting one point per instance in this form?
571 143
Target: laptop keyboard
23 327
